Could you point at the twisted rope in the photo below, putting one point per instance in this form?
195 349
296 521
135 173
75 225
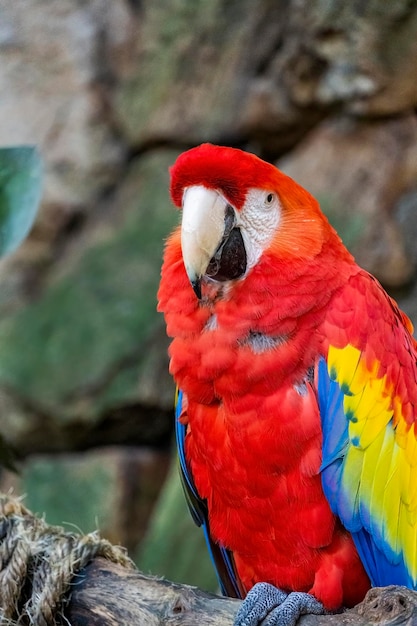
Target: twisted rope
38 564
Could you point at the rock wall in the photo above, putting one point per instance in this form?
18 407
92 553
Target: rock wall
111 91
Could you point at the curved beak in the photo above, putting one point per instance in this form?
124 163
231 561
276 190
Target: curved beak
211 242
202 229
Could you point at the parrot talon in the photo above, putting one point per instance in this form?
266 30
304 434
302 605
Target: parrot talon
272 607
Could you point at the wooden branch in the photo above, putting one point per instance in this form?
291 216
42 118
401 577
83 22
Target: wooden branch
105 594
45 570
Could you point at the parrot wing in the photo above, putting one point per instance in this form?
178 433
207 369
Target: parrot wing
369 455
222 558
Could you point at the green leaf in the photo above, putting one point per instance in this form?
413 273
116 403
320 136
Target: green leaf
20 194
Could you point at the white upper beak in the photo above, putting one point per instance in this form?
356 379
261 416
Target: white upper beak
203 213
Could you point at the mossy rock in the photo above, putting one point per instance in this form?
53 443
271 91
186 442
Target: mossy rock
183 87
174 546
78 491
83 346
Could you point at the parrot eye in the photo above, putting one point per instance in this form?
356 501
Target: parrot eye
269 199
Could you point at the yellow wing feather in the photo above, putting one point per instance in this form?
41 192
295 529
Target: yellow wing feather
380 465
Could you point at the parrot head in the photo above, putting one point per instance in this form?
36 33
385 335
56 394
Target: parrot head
235 207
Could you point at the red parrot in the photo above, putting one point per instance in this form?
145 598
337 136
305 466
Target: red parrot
298 393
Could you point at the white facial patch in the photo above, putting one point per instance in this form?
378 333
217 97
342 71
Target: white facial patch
258 220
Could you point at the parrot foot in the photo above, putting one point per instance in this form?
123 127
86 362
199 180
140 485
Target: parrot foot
272 607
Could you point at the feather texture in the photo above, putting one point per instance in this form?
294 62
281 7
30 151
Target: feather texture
372 486
296 418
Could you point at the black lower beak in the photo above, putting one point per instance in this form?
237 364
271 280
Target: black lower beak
196 285
229 261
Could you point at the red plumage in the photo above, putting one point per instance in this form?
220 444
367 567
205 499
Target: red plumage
254 439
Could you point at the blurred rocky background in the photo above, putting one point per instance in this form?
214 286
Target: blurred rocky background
111 91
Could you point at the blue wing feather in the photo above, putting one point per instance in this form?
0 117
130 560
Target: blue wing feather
221 558
335 433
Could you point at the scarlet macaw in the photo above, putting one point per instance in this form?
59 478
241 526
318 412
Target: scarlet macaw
298 393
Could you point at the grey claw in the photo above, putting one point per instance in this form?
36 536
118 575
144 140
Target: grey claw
290 611
258 603
273 607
